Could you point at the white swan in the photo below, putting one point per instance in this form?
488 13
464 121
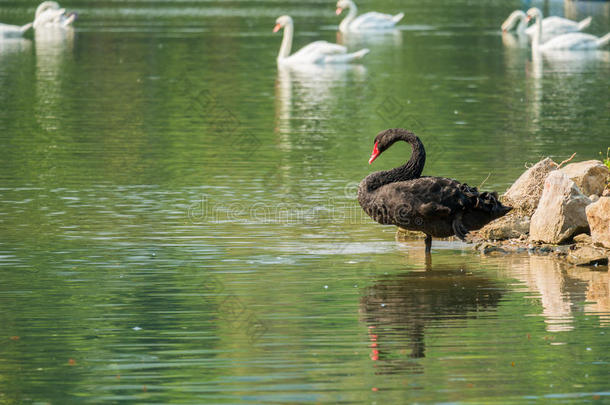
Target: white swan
571 41
49 14
368 21
13 31
319 52
551 26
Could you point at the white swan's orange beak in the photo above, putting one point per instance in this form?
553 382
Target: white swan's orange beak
528 18
375 153
339 10
277 27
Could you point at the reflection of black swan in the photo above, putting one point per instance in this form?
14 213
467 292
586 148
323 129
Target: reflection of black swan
437 206
399 308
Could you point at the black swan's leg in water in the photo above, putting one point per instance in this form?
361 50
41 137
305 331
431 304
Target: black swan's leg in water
428 243
459 228
428 261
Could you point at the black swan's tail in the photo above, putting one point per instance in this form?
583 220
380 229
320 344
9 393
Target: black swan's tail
486 201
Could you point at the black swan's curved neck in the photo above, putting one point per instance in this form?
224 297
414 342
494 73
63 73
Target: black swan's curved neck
410 170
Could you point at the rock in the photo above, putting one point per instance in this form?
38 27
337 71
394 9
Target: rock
588 255
525 193
583 238
606 193
507 227
590 176
598 215
593 197
561 211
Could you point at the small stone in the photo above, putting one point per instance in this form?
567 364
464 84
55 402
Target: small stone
488 249
562 250
593 197
588 255
583 238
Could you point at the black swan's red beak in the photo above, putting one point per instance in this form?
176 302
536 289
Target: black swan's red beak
375 153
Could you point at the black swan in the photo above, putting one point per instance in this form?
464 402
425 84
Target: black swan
436 206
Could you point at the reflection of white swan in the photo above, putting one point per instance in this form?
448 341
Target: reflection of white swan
49 14
13 45
565 62
308 87
534 92
516 40
377 38
572 41
13 31
551 26
319 52
53 45
305 92
365 22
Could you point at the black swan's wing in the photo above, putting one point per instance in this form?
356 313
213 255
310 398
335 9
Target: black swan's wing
433 199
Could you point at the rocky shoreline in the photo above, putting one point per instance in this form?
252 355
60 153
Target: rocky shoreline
559 211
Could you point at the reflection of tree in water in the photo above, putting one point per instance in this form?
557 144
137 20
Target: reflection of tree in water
399 308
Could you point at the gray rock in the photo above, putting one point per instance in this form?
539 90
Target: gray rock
590 176
525 193
598 216
561 211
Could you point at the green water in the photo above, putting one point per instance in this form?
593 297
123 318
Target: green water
178 220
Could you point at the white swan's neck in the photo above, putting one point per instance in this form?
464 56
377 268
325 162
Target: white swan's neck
537 31
522 18
353 11
286 46
514 17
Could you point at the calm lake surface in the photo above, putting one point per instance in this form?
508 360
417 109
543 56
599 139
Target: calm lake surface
178 220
